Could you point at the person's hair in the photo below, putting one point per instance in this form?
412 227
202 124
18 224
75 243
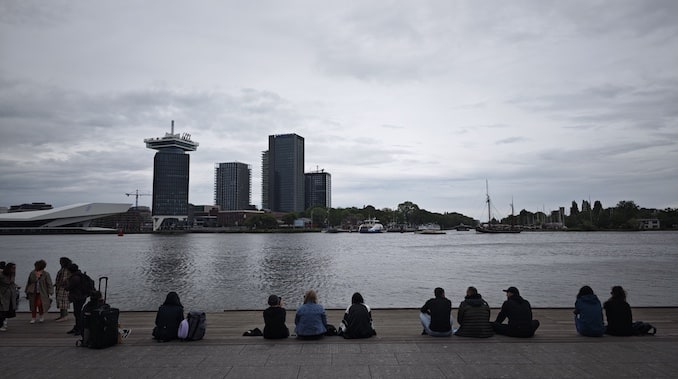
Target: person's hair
439 292
586 290
172 298
618 293
73 267
40 265
310 297
64 262
7 270
357 298
471 291
2 265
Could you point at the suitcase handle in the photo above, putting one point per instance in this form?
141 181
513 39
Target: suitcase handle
105 293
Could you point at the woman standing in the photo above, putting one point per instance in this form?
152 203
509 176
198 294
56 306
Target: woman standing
310 321
8 293
38 289
61 292
588 314
618 313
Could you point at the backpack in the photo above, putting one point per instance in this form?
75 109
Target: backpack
196 325
643 328
86 284
182 333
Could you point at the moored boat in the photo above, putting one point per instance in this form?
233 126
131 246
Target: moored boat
494 228
371 225
429 229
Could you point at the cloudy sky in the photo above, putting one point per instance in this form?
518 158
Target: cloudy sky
422 101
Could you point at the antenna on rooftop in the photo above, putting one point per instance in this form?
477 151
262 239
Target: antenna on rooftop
172 127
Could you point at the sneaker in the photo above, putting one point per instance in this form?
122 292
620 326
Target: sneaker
125 333
423 332
3 328
41 319
32 321
62 319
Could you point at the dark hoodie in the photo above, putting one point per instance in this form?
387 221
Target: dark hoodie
474 318
170 314
588 317
519 314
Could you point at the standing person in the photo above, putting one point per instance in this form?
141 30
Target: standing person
519 314
39 288
357 321
274 319
77 295
474 316
8 294
588 314
61 292
618 313
167 320
310 320
436 315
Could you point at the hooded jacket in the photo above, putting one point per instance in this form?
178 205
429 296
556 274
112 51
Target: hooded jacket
619 318
474 318
519 314
588 317
169 316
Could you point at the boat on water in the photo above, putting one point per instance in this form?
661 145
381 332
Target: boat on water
429 229
494 228
462 228
371 225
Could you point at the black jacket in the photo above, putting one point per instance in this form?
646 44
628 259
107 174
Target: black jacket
358 321
74 287
440 309
474 318
519 314
167 320
619 318
274 323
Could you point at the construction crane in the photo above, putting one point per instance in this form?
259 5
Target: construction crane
136 197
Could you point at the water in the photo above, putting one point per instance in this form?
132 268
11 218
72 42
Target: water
392 270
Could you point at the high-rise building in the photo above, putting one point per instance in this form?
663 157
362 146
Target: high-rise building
232 186
283 174
170 179
318 189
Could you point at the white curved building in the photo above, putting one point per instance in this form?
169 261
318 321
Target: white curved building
76 217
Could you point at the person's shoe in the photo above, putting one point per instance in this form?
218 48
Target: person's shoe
32 321
3 328
62 319
41 319
72 331
125 333
423 332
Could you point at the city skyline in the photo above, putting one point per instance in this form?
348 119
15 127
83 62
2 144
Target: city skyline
422 102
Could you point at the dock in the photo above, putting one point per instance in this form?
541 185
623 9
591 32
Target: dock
397 351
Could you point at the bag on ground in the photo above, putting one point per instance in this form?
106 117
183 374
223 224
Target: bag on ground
643 328
182 333
196 325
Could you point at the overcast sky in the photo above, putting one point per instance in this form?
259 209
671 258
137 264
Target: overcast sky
422 101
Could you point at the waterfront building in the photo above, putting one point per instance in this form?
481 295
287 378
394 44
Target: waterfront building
170 179
232 186
283 174
29 207
318 191
77 218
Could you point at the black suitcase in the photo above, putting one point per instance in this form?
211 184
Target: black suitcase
100 324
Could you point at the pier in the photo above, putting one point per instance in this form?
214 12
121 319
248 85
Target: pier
398 350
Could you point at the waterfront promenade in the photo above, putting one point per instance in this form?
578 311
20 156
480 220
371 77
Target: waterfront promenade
398 351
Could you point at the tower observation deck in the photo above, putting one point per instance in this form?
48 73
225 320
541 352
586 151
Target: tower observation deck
170 179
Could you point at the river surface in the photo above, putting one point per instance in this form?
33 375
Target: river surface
218 272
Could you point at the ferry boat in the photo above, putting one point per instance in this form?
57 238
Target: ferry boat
371 225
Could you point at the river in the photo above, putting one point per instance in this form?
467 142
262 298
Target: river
215 272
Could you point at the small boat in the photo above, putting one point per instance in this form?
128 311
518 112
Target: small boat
494 228
371 225
462 228
429 229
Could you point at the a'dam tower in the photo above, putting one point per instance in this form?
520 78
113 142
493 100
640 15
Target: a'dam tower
170 179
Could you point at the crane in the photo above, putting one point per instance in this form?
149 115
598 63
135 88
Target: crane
136 196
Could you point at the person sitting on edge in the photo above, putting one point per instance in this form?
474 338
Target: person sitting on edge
519 314
310 320
167 320
274 319
436 315
357 321
618 313
474 316
588 314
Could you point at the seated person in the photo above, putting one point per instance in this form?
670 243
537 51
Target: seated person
310 320
167 320
436 315
474 316
274 319
519 314
588 314
618 313
357 322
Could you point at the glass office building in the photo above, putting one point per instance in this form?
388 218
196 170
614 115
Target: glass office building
232 186
283 169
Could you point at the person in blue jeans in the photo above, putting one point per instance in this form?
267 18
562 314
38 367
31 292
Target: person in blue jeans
436 315
310 320
588 314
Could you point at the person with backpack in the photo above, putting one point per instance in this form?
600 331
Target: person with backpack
79 288
60 285
167 320
618 313
357 321
588 314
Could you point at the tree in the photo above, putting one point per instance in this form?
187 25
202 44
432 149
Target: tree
261 221
289 218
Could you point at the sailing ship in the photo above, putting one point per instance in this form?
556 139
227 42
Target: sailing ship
495 228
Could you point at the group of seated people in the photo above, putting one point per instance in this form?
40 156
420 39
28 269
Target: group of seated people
436 318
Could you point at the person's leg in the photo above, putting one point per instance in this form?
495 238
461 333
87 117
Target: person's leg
535 326
38 307
500 328
425 319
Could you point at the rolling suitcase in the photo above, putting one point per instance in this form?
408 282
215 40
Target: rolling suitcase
100 323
